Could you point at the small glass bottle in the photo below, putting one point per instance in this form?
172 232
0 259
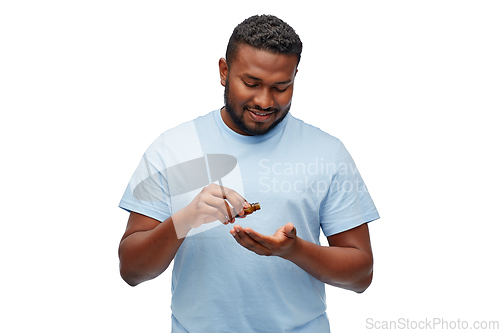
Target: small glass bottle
253 207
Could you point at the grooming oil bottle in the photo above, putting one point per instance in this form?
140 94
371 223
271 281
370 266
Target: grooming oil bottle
253 207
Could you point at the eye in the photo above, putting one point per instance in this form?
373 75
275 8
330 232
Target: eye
280 90
250 85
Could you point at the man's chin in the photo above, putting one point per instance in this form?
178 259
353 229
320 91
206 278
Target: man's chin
256 130
249 126
262 128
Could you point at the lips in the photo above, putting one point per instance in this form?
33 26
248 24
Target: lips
260 115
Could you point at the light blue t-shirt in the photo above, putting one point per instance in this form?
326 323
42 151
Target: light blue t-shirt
297 173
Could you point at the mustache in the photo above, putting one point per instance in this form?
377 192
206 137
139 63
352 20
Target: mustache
258 108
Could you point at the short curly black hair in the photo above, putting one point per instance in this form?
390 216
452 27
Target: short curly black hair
265 32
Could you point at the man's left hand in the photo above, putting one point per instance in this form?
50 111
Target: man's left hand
282 243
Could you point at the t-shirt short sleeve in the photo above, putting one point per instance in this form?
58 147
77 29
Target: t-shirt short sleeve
163 181
347 203
146 192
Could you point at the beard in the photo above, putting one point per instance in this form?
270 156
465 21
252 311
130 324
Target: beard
258 129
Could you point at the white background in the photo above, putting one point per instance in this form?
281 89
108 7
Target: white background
410 87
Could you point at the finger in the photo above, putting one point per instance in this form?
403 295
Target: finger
236 201
234 198
216 212
217 190
219 204
243 239
290 230
245 205
211 211
247 242
230 221
257 237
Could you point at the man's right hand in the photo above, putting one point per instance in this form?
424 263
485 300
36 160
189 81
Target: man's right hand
148 246
208 206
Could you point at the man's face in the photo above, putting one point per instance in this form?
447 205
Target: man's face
258 89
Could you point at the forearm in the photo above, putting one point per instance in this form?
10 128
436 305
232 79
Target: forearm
344 267
146 254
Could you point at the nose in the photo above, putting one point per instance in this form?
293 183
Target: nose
264 99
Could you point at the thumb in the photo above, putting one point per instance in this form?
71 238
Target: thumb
290 230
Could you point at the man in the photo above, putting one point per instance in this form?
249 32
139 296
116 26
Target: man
266 273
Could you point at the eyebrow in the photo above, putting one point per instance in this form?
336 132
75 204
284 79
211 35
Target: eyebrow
257 79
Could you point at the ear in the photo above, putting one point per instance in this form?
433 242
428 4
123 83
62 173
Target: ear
223 71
